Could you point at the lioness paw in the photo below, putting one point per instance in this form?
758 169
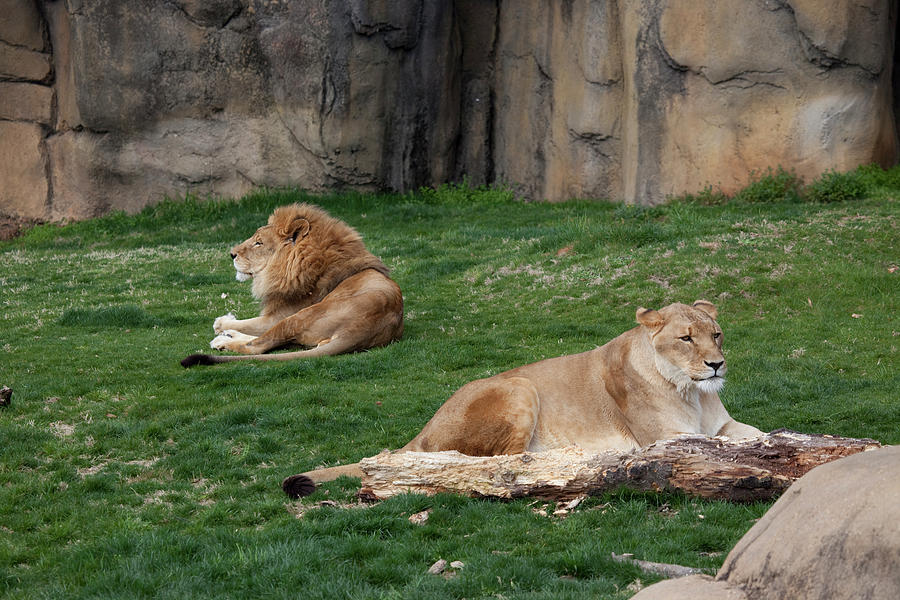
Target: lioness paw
224 322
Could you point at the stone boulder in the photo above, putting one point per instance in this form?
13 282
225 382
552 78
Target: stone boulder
834 534
692 587
633 100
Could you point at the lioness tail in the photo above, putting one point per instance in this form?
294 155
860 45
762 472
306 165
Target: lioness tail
304 484
298 486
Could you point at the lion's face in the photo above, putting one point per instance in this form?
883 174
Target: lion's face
688 345
254 255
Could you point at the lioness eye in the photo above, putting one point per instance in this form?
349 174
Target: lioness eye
686 338
717 335
258 244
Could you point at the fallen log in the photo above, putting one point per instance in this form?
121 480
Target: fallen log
705 467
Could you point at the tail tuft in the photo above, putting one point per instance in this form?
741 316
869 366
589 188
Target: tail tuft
197 359
298 486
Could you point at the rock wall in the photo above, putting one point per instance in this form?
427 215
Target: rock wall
114 105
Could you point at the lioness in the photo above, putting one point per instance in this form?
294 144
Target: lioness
656 381
318 287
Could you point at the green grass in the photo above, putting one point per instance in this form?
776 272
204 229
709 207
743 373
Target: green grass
124 475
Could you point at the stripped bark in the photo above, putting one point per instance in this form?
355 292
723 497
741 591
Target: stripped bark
714 468
654 568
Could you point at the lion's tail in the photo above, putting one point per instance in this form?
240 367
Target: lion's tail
213 359
304 484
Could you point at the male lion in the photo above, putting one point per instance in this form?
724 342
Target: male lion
318 286
656 381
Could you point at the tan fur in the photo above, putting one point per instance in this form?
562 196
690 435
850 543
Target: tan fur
318 287
652 382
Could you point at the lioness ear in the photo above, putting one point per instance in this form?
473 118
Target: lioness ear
706 307
649 318
297 230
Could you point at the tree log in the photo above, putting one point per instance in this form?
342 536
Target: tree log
705 467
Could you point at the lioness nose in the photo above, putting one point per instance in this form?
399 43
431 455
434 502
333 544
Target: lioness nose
715 365
233 256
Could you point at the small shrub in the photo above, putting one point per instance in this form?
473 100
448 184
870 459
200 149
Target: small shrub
708 196
771 186
832 186
873 176
464 193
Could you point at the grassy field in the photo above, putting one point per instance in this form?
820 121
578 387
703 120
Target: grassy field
124 475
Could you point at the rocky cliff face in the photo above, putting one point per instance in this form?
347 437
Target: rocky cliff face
114 105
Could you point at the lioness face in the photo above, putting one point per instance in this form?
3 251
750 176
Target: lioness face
688 345
252 256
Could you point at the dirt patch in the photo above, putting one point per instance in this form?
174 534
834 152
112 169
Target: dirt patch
299 509
62 430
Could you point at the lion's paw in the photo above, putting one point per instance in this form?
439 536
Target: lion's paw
224 322
230 339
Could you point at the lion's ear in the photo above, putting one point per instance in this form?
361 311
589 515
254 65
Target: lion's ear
297 230
706 307
649 318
